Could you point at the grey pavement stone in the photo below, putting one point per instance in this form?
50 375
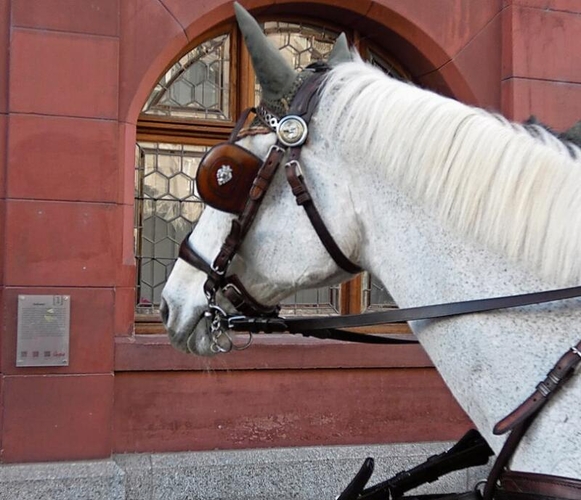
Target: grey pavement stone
292 473
264 474
83 480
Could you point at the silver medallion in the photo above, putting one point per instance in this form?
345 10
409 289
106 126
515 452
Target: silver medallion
292 131
224 175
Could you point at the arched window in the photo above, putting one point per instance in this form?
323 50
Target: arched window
194 106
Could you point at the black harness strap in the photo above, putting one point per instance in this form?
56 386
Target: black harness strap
472 450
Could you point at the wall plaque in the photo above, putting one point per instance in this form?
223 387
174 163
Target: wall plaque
43 330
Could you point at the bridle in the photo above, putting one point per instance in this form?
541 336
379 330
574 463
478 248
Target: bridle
251 178
226 161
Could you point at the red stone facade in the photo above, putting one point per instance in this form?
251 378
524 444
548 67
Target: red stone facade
73 78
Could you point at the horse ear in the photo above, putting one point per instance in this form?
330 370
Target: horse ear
573 134
340 52
274 73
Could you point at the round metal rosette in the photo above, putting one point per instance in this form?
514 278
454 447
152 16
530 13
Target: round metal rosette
292 131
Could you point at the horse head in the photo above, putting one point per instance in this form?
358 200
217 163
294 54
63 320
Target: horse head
278 252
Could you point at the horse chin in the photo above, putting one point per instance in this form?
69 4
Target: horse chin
192 340
198 341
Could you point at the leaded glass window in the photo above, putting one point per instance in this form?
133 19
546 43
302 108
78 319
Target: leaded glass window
166 207
197 86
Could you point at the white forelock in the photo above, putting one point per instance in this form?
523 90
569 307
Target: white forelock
486 177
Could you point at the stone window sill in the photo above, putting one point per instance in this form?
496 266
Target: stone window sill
272 352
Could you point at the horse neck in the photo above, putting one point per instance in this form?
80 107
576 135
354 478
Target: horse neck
491 362
449 200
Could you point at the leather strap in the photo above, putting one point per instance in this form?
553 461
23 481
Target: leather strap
308 325
307 97
358 483
304 104
193 258
303 197
522 418
528 485
507 451
560 373
242 301
471 451
231 286
239 124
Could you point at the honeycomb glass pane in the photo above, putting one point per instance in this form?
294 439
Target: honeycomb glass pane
180 227
197 86
191 211
155 186
180 186
168 165
323 301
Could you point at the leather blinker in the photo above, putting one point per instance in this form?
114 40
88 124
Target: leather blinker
225 176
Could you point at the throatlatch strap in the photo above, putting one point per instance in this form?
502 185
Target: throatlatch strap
303 198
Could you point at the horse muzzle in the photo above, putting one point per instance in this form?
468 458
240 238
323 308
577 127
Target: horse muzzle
208 336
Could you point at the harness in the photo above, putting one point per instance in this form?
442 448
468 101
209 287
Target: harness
234 180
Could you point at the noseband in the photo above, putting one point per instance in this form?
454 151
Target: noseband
232 179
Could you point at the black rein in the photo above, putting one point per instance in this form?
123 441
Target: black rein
328 327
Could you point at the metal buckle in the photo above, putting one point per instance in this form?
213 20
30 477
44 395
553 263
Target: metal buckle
230 320
233 287
479 486
543 389
276 148
297 165
219 273
576 351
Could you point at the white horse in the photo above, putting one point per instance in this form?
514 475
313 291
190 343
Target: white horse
442 202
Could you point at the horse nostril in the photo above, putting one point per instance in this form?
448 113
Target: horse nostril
164 311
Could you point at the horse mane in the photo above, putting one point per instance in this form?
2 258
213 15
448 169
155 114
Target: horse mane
514 190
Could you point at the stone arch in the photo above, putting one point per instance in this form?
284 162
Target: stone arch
178 27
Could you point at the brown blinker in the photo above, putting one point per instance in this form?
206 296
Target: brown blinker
225 176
